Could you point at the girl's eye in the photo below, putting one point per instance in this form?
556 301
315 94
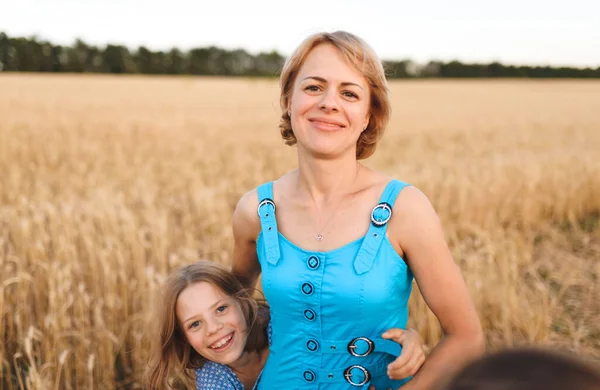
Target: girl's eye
194 324
221 309
350 94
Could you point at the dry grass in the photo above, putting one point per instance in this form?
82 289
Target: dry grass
108 182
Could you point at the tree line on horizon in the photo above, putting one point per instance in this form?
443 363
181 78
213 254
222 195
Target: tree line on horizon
28 54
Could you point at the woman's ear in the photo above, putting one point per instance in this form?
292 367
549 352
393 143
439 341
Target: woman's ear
366 123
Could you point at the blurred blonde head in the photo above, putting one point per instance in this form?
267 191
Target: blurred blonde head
526 369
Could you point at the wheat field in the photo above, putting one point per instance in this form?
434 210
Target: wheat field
107 183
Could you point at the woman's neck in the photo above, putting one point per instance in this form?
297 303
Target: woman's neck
322 180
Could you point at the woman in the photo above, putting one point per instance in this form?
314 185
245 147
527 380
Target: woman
337 271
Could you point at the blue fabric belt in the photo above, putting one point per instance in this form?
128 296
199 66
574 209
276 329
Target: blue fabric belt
361 346
357 375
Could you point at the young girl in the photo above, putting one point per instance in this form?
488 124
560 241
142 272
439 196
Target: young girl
209 323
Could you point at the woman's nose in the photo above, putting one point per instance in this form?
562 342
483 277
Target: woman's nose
329 101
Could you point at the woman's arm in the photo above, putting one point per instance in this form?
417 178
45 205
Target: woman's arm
246 227
417 234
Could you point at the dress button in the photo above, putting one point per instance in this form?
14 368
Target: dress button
313 262
312 345
307 288
310 315
309 376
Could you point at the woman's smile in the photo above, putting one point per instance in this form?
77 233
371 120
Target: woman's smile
326 124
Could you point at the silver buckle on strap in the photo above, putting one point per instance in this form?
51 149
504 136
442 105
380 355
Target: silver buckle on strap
265 202
377 221
352 347
348 375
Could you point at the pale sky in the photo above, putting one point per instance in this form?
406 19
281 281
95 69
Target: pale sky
528 32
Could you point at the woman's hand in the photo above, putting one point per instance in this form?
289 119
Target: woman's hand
412 356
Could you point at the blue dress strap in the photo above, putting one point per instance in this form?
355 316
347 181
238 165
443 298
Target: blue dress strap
380 216
391 191
268 222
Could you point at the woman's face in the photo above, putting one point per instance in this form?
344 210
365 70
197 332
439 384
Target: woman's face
212 322
330 103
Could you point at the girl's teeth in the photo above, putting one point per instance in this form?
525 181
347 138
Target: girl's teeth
222 342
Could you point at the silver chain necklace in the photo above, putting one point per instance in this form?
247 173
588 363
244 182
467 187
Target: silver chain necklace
319 235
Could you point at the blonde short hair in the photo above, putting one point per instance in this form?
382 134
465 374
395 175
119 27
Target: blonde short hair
358 53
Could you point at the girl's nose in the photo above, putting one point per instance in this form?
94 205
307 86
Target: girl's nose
213 326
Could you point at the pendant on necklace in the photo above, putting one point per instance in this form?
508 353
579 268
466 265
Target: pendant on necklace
319 237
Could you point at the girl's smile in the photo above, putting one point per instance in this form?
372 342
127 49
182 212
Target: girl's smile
212 322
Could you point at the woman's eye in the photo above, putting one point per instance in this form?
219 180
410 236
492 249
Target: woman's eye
312 88
194 324
221 309
350 94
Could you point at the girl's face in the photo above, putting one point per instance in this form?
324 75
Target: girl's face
330 103
212 322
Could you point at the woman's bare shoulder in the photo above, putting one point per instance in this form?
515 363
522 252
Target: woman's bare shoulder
413 204
245 220
373 181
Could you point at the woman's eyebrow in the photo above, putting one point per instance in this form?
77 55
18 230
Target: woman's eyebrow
321 79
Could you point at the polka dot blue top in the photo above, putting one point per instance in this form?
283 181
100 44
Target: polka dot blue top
215 376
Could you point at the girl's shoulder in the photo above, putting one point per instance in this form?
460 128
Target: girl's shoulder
215 376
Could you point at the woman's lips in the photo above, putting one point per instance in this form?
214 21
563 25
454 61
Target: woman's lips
326 125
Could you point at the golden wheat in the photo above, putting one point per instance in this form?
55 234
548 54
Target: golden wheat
106 183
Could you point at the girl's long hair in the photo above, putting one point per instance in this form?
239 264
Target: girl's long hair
172 357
